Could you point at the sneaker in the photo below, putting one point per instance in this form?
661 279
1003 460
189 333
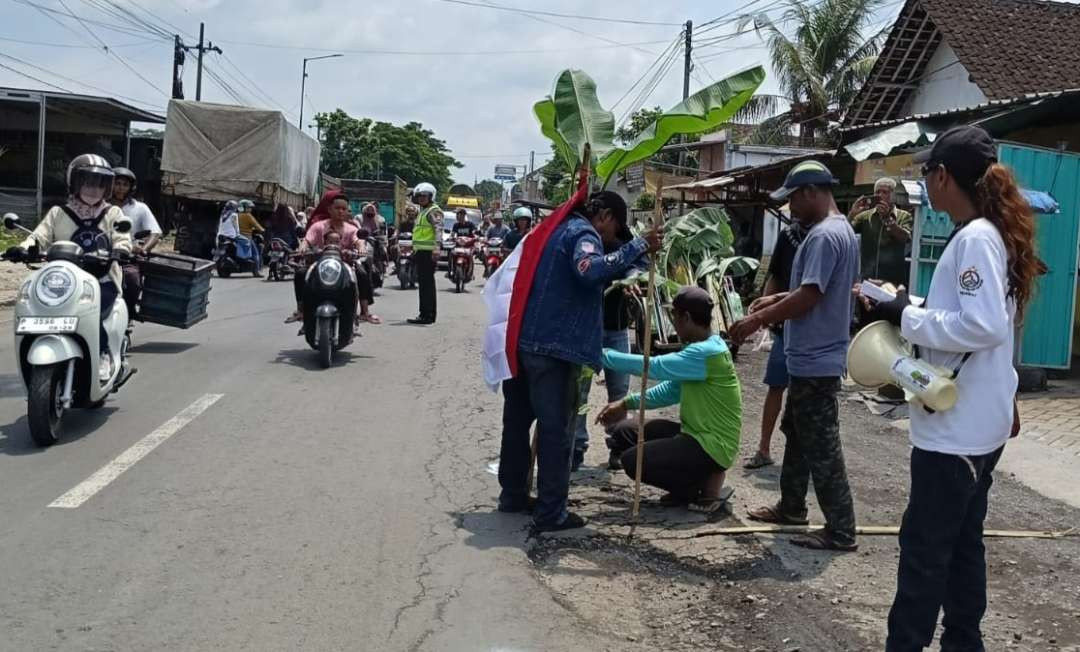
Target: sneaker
106 368
571 522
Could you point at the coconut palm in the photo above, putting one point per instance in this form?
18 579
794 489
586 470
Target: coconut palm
820 67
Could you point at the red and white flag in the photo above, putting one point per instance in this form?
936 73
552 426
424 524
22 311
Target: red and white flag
507 292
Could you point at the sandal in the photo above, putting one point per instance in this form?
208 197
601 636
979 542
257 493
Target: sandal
758 461
671 500
293 318
772 514
712 504
823 541
371 318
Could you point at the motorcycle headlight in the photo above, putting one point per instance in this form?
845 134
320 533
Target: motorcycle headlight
24 293
330 271
55 286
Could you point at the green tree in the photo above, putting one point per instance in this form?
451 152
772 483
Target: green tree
360 148
489 191
556 174
819 68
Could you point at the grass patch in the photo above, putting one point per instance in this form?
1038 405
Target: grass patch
8 239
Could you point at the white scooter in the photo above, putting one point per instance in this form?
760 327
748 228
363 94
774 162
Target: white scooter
57 333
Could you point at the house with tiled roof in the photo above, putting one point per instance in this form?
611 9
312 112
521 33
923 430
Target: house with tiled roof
948 54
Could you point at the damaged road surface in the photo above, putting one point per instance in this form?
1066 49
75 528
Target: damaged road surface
353 509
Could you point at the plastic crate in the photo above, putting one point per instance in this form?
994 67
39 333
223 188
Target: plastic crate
176 290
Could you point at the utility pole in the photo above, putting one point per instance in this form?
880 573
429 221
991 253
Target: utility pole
200 48
303 84
532 161
688 66
177 68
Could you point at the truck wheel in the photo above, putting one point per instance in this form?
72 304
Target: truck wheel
44 410
326 347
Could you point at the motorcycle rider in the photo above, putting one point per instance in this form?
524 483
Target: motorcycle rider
409 222
89 221
426 236
497 228
338 230
462 228
375 224
522 222
228 222
142 222
248 227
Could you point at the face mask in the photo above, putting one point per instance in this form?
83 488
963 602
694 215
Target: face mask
91 196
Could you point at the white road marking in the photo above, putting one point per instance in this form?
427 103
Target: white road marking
86 489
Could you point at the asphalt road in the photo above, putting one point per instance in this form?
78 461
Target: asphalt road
303 509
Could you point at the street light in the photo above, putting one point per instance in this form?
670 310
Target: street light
303 82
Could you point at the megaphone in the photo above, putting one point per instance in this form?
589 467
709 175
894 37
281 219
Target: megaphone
879 356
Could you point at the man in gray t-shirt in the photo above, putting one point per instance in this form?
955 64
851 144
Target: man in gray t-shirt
817 316
816 343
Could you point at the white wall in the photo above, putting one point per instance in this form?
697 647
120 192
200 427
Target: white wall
948 88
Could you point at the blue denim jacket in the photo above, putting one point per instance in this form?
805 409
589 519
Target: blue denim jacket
564 315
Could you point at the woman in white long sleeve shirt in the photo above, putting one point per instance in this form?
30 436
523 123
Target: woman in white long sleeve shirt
978 293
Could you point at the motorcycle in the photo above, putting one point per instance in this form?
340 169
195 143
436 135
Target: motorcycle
406 270
493 256
370 262
461 262
235 257
58 332
278 266
329 300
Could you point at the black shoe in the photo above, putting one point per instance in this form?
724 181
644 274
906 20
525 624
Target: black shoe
579 459
571 522
420 321
517 508
614 461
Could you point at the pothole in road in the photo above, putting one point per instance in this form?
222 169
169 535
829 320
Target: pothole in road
645 597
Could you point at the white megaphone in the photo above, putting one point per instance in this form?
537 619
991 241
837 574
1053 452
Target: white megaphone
879 356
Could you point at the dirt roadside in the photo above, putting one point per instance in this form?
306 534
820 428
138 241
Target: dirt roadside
666 588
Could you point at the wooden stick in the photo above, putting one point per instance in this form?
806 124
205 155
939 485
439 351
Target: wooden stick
646 353
874 530
532 461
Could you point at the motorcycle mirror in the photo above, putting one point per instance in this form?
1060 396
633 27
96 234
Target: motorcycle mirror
123 226
11 221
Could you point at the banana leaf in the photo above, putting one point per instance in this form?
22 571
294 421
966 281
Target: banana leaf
707 109
572 117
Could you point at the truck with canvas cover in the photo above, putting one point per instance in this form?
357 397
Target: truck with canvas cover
214 153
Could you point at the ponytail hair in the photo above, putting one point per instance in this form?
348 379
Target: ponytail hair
998 198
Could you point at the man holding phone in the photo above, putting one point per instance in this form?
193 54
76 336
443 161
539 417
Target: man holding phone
885 231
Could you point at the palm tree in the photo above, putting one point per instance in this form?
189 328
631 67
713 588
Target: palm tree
820 67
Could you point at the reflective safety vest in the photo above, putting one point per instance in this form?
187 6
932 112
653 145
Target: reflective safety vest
424 234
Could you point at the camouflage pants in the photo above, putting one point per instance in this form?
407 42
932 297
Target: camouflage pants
811 424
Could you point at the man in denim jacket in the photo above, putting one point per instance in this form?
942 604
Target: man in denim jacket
560 333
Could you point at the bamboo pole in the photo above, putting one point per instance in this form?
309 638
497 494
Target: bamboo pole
874 530
658 207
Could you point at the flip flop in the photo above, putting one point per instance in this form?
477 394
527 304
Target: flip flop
758 461
822 541
712 504
772 514
671 500
293 318
371 319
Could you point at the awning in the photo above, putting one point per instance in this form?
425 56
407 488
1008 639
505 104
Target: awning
703 185
908 134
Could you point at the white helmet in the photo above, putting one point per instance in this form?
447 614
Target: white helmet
424 189
522 211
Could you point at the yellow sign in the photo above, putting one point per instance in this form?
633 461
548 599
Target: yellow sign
455 201
898 167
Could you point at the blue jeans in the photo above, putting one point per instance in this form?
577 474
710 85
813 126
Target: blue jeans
618 385
543 391
942 558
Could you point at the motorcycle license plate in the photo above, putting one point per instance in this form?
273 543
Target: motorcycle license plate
38 325
275 255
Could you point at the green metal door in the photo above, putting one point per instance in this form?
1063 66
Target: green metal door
1048 324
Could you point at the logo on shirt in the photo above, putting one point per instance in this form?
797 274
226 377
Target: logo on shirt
583 265
587 248
970 280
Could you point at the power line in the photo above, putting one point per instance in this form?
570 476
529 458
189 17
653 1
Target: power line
51 13
489 3
40 81
553 14
77 47
440 53
80 83
666 52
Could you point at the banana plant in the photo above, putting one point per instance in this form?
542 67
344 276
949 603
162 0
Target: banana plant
573 117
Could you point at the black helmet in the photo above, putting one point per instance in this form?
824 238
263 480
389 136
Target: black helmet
125 173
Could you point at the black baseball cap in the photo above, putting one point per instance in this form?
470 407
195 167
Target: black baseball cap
807 173
694 301
965 151
617 205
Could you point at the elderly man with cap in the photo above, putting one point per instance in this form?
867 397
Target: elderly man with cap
561 331
686 458
817 316
885 231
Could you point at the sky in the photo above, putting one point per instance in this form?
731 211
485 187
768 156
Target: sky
470 70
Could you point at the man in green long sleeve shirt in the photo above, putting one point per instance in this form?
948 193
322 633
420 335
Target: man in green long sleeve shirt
686 458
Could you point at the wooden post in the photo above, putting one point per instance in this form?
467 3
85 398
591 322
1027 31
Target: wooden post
658 219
